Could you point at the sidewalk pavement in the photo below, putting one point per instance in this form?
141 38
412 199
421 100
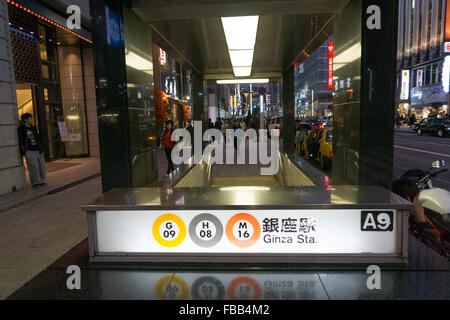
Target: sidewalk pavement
59 174
34 235
404 129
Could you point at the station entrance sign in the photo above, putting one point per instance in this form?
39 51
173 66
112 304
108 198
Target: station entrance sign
251 231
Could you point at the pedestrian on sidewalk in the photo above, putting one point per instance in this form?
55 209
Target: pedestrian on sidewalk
167 144
412 120
397 121
32 148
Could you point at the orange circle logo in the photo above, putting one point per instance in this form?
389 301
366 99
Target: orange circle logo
246 286
247 231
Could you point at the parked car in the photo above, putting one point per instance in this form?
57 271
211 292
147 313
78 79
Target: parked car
326 120
439 126
314 122
318 145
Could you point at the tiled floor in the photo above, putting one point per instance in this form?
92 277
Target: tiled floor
60 173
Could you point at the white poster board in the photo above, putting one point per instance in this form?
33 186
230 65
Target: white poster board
63 131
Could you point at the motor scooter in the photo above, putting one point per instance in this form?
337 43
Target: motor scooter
436 203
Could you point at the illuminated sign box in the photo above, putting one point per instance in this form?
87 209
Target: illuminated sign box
231 229
259 231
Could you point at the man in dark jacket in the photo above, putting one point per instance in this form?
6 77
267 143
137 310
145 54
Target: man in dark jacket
31 147
218 124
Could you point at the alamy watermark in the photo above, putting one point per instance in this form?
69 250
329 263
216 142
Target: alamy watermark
73 22
374 280
74 280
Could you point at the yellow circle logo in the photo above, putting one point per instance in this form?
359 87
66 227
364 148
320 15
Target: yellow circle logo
169 230
172 288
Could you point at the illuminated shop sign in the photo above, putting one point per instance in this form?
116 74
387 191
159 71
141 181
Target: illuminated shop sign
330 64
404 94
258 231
447 47
419 78
446 74
162 56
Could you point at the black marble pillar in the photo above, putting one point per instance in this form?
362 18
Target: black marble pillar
198 99
112 105
124 90
364 95
288 124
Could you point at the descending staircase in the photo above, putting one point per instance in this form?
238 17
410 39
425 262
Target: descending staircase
266 181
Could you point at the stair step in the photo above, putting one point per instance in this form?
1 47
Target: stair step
248 178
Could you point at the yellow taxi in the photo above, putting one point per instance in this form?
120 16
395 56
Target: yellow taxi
318 145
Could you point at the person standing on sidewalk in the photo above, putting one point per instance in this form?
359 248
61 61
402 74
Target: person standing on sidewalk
167 144
32 148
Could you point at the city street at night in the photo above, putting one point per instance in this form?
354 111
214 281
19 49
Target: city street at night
418 152
250 152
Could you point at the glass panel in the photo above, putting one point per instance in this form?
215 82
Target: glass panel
45 72
43 51
435 74
141 105
427 75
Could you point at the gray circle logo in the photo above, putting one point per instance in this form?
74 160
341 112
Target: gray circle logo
205 230
208 288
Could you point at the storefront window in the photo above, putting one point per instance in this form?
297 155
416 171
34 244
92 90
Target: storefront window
428 75
45 72
43 51
435 73
73 110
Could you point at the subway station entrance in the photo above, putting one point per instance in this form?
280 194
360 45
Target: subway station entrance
231 227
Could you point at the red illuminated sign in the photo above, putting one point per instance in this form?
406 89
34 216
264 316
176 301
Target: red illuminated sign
330 64
162 56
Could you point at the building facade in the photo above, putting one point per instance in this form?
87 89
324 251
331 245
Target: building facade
312 96
422 75
51 76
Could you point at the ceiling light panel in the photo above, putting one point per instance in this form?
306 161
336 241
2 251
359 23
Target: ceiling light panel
242 71
240 32
241 58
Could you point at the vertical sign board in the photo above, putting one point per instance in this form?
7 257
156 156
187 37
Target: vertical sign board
330 64
446 74
419 78
404 93
447 22
64 134
162 56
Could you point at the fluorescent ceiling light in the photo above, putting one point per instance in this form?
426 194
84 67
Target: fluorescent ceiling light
235 81
348 56
240 32
242 71
241 58
137 62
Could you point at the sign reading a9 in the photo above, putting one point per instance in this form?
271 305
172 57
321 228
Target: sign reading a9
377 220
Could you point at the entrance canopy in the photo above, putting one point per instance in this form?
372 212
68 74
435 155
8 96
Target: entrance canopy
285 29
